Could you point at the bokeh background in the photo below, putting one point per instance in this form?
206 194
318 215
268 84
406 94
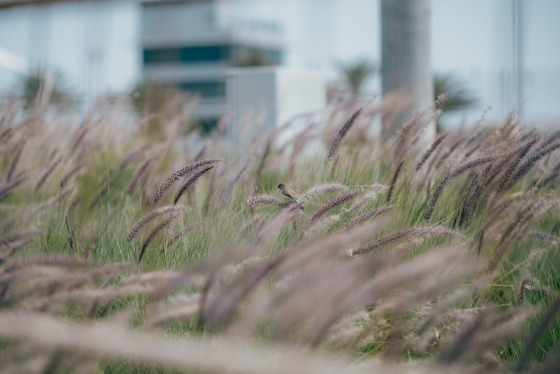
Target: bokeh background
501 54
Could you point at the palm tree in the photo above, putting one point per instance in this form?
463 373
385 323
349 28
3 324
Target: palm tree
356 73
34 84
457 97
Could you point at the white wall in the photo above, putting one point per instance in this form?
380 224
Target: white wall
95 45
473 40
267 97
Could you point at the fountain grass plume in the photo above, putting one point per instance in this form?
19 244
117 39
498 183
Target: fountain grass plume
527 165
169 181
510 170
454 173
190 182
331 204
431 150
324 189
153 234
342 132
150 216
366 216
405 234
258 200
394 181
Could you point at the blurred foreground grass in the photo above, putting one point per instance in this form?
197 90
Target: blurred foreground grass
397 255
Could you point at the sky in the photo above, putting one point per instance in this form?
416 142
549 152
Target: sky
96 45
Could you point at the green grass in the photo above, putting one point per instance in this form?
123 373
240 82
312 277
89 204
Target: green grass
103 212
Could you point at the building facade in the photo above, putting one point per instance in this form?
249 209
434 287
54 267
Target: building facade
192 44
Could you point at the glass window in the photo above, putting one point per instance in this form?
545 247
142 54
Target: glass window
186 55
207 89
161 55
208 53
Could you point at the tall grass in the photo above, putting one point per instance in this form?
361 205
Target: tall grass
458 274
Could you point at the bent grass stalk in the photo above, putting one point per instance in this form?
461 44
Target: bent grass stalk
150 216
258 200
454 173
47 173
325 208
510 170
431 150
527 165
394 181
404 234
7 187
180 233
366 216
342 133
153 234
137 175
324 189
169 181
303 294
190 182
331 204
13 164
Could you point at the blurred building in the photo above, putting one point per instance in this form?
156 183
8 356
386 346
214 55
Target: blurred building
501 51
191 44
269 97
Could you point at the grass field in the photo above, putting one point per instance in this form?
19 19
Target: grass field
137 248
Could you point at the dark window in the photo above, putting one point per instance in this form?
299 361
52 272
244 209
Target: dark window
186 55
208 90
209 53
161 55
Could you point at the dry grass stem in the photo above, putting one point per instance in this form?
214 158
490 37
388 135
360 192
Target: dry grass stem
259 200
431 150
510 170
7 187
332 204
367 216
169 181
394 181
47 173
255 220
138 174
527 165
405 234
150 216
342 132
324 189
190 182
181 233
19 149
153 234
